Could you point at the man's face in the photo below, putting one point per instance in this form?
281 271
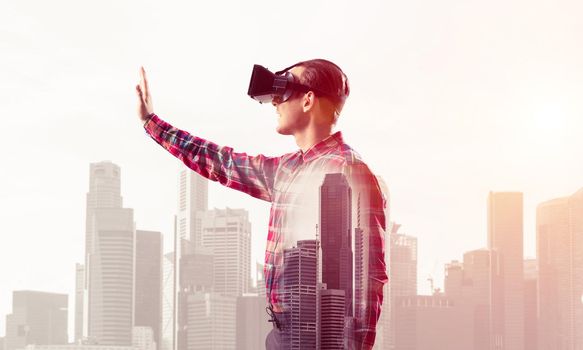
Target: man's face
291 115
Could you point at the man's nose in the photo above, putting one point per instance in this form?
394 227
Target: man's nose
275 101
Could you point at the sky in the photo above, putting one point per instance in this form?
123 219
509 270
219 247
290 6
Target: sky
449 100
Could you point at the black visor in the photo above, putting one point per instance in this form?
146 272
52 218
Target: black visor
264 85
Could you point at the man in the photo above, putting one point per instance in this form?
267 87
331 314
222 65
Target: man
308 110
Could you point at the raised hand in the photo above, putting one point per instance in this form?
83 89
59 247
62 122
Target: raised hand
145 106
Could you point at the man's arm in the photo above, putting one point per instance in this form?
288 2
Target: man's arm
252 175
372 222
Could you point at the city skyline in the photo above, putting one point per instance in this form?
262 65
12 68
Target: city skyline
106 217
445 106
437 283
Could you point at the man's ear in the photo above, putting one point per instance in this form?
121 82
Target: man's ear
308 101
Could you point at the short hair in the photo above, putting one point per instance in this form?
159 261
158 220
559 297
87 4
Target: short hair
328 78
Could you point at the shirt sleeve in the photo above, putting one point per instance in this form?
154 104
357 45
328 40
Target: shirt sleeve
253 175
371 217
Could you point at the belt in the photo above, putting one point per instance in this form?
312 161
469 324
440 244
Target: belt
277 318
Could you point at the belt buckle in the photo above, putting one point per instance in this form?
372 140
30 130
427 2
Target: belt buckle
274 320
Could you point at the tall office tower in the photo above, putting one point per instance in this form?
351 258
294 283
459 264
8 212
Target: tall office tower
169 303
37 318
361 243
80 301
559 224
300 279
197 271
252 322
104 192
227 233
2 343
143 338
467 285
453 281
206 316
196 275
336 233
211 321
111 276
192 200
505 238
331 318
432 322
148 295
360 271
476 289
402 275
530 304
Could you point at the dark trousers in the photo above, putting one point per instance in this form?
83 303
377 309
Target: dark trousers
276 338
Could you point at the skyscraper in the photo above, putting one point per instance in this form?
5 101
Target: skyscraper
227 234
111 276
211 321
331 319
143 338
37 318
196 275
454 279
192 204
478 265
559 224
336 233
169 302
402 275
192 201
467 285
300 281
505 238
104 192
80 301
530 304
148 295
212 276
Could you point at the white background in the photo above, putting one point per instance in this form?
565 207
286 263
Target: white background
450 99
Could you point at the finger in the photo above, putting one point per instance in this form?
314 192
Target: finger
139 92
141 84
145 81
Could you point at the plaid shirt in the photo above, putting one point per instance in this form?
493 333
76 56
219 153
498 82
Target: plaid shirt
286 181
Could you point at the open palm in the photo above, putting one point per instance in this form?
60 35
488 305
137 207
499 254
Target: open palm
145 106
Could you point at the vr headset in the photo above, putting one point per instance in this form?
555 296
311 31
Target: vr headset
265 85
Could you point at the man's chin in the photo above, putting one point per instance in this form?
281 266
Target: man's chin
282 130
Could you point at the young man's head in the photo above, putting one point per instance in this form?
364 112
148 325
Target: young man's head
320 107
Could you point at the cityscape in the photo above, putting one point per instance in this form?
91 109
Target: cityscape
132 293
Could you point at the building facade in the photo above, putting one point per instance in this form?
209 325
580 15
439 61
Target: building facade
505 238
336 236
37 318
111 277
148 282
559 225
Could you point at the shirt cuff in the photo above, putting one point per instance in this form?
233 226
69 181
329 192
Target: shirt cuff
148 119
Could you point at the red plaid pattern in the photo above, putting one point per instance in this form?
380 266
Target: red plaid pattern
260 175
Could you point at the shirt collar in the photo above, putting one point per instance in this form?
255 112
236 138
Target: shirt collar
322 147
